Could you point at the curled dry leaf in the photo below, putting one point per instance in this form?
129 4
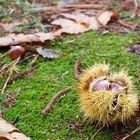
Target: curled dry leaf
22 38
78 23
105 17
47 53
69 26
45 36
69 23
16 51
9 132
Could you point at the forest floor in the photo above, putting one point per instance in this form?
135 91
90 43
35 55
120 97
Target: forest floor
33 91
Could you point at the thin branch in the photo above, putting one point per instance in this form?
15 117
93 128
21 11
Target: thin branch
67 8
19 75
34 60
124 24
134 13
3 55
11 72
6 66
85 6
77 69
129 135
51 9
93 137
49 106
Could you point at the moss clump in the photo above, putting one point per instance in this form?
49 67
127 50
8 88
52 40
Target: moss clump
52 76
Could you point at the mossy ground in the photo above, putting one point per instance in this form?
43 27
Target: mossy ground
51 76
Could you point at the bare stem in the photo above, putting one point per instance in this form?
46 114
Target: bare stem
49 106
11 72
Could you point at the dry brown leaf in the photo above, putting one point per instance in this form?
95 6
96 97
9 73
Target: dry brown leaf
12 39
47 53
45 36
78 23
9 132
93 24
70 24
105 17
6 126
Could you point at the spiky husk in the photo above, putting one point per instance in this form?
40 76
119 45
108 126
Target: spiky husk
99 105
124 80
126 106
96 106
99 70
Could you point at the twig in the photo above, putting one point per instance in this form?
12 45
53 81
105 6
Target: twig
67 8
121 22
19 75
77 69
85 6
135 9
34 60
50 9
49 106
129 135
93 137
11 72
6 66
4 55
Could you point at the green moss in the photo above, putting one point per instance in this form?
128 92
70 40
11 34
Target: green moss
51 76
54 75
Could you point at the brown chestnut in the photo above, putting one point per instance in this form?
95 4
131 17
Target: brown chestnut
16 51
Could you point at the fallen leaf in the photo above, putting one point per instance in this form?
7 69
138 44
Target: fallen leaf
45 36
105 17
13 39
47 53
70 24
93 24
78 23
9 132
